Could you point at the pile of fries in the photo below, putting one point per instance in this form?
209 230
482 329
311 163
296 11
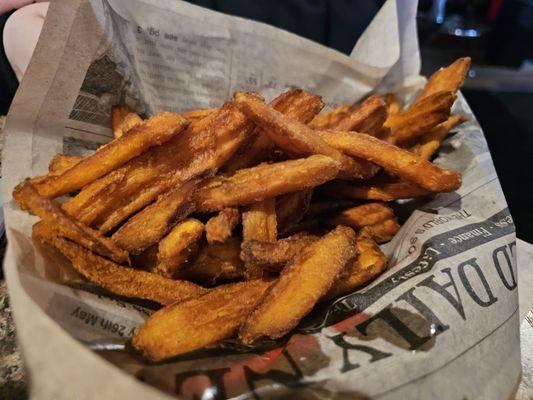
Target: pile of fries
240 219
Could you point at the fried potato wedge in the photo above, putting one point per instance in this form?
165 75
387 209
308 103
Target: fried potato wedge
125 281
370 262
384 191
153 132
331 118
291 208
369 117
430 142
65 226
382 231
395 160
409 125
118 113
295 138
273 256
449 79
62 162
199 322
300 286
195 115
220 227
362 215
251 185
155 221
177 248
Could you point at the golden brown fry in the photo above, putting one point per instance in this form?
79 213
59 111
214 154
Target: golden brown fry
449 79
217 262
300 286
430 142
130 121
155 221
370 262
177 248
295 138
191 325
125 281
65 226
409 125
62 162
219 227
369 117
384 191
363 215
273 256
259 221
393 104
296 104
395 160
263 181
118 113
291 208
200 113
331 118
382 231
153 132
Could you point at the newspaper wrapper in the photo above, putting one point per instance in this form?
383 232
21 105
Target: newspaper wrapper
441 322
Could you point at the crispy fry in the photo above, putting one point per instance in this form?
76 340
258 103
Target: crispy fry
296 104
62 162
130 121
219 227
153 132
363 215
384 191
259 221
263 181
369 117
382 231
217 262
199 322
449 79
395 160
430 142
331 118
409 125
302 283
291 208
200 113
393 104
295 138
65 226
155 221
125 281
177 248
118 113
370 262
273 256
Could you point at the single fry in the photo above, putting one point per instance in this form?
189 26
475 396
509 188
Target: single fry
383 191
291 208
155 221
295 138
331 118
65 226
191 325
369 117
370 262
383 231
395 160
449 79
220 227
153 132
177 248
130 121
125 281
62 162
273 256
300 286
251 185
118 113
200 113
430 142
363 215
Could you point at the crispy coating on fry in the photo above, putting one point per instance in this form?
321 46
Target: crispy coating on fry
331 118
216 262
384 191
395 160
200 113
219 227
62 162
125 281
198 322
369 117
259 221
300 286
382 231
449 78
295 138
65 226
393 104
118 113
370 262
362 215
296 104
291 208
153 132
177 248
409 125
155 221
273 256
430 142
263 181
